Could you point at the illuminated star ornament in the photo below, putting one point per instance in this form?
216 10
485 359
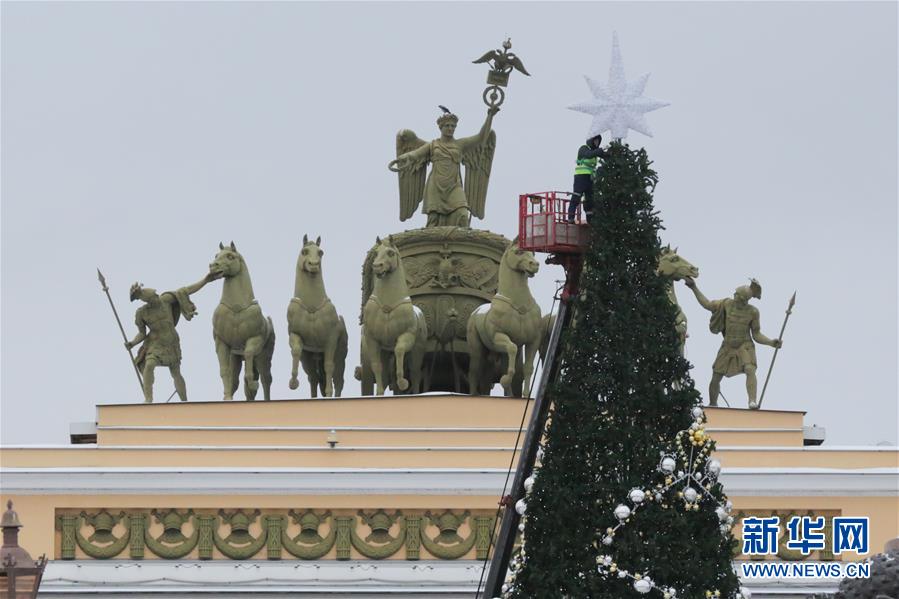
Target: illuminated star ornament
618 105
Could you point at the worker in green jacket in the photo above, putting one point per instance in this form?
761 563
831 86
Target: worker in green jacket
588 156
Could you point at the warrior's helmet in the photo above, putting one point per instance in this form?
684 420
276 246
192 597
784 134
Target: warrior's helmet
754 289
137 289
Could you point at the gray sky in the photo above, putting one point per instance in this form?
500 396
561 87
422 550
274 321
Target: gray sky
136 136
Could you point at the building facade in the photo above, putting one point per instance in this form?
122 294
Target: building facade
359 497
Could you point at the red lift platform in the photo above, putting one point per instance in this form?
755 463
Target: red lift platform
543 227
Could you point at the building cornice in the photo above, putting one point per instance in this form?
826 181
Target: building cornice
738 482
219 578
318 579
417 448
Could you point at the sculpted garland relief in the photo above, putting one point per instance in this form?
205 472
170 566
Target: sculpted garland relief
451 269
305 534
250 534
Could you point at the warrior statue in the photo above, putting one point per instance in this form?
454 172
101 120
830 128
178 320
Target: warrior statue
161 345
738 321
446 201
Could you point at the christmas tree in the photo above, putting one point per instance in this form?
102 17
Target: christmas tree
626 500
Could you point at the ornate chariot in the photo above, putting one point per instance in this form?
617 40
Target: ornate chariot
450 272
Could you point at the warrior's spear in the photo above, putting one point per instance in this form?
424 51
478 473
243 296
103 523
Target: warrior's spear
776 349
121 328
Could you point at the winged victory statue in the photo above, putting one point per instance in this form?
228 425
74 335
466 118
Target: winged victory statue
446 201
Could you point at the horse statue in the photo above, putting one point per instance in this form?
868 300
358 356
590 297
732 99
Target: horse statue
509 325
240 330
318 335
391 325
673 267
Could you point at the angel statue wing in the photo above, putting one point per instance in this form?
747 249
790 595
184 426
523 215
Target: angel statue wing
478 160
412 179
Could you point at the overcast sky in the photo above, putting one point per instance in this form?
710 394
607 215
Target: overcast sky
136 136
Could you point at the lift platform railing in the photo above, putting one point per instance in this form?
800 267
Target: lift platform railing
544 224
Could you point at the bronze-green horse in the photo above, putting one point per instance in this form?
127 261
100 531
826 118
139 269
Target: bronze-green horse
241 332
672 267
318 334
392 326
510 325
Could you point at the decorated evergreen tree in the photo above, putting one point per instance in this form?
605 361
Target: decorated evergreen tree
625 501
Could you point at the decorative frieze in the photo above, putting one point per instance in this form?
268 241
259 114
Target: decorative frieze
244 534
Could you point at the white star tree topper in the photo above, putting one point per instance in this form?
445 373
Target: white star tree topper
618 105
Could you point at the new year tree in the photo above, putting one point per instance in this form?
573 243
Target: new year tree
625 501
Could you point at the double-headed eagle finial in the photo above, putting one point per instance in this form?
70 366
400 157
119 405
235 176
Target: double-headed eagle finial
503 63
498 76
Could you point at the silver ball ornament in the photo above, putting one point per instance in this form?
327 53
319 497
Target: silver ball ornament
521 506
622 512
690 494
697 413
637 496
714 467
667 465
642 586
529 483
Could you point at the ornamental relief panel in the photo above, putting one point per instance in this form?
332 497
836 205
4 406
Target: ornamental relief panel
243 534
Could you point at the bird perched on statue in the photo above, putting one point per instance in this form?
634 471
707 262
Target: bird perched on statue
503 61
